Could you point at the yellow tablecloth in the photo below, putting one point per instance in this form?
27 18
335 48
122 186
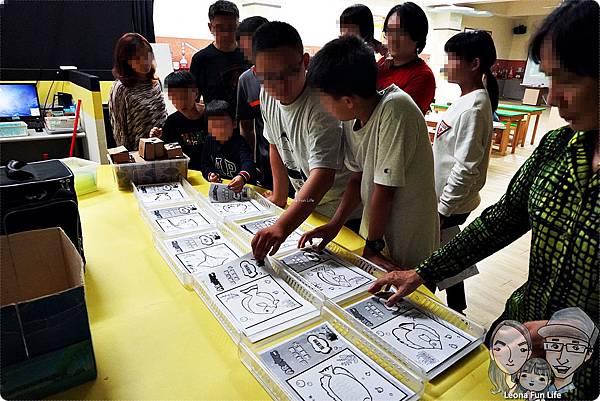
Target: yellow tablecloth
153 339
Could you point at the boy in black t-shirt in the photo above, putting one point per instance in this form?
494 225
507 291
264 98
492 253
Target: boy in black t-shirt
226 154
187 126
219 65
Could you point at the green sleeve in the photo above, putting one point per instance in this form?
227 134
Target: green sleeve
498 225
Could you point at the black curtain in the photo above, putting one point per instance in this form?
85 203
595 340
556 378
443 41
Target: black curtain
143 21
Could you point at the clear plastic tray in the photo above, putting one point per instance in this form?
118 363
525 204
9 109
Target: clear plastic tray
178 219
439 313
343 275
256 206
233 326
227 246
149 172
387 370
246 226
164 193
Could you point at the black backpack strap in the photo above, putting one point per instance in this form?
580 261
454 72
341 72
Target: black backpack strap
15 171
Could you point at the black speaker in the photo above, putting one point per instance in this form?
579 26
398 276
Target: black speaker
520 30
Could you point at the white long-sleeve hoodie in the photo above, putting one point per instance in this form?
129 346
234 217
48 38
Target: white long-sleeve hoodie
461 153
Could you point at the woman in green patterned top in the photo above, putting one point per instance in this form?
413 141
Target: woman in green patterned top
554 194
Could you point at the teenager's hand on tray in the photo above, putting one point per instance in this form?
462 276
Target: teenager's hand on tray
326 232
276 201
267 241
405 281
379 260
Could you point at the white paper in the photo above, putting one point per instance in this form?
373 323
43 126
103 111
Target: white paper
221 193
199 252
180 219
155 194
258 301
321 365
334 277
254 226
426 340
237 208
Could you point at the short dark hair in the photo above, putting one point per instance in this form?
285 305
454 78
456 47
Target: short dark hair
573 30
219 108
359 15
180 79
414 22
249 25
477 44
344 67
275 35
223 8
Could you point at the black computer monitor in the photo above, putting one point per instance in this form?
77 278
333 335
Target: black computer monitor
19 101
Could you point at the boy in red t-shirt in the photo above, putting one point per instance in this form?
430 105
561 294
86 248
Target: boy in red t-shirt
405 29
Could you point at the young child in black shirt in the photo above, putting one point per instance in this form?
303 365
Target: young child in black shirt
226 154
187 126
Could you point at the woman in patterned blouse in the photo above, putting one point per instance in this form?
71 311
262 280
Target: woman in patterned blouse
136 101
554 194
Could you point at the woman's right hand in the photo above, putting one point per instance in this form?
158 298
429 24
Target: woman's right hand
156 132
405 281
326 232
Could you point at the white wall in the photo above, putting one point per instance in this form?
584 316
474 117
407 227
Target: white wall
315 20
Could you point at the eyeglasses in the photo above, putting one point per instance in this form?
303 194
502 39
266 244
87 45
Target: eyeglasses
557 347
281 76
394 32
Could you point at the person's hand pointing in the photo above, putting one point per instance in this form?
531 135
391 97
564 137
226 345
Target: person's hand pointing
405 281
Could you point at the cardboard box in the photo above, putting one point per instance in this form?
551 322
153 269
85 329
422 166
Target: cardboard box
45 338
174 150
119 155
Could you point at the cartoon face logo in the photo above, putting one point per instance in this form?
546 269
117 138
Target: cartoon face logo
568 337
511 346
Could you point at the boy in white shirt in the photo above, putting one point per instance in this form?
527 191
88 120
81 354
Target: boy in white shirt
388 150
461 147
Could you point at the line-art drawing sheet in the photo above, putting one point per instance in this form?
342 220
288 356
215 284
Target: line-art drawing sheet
321 365
221 193
235 208
331 275
255 226
417 335
161 193
183 218
258 301
198 252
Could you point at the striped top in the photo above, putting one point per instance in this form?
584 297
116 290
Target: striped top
134 111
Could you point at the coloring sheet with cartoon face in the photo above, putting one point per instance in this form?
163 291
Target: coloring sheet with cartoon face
156 194
180 219
252 227
321 365
199 252
258 301
334 277
221 193
237 208
424 339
